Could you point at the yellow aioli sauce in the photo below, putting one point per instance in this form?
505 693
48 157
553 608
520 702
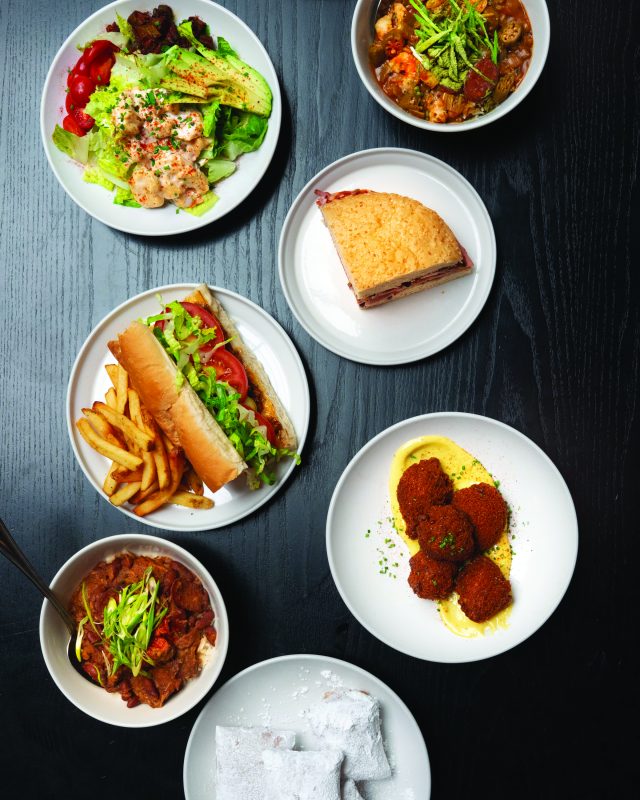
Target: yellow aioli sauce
464 470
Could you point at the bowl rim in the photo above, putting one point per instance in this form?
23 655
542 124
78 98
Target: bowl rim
137 228
209 675
541 45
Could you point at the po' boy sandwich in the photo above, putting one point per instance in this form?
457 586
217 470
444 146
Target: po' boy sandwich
206 390
390 246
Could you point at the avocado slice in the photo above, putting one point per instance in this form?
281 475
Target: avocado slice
225 76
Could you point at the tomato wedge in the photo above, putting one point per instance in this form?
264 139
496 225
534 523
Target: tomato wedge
228 369
81 87
69 124
85 121
261 420
100 69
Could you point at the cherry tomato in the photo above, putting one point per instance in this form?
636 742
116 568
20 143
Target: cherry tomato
100 69
476 86
98 49
85 121
271 433
81 88
229 370
70 104
69 124
81 68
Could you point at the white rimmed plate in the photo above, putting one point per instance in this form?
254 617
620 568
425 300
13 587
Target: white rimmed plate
273 348
543 521
277 693
158 221
404 330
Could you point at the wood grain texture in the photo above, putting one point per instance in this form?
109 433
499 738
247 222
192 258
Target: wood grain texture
554 353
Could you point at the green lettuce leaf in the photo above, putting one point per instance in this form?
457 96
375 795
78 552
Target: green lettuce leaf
76 147
123 197
217 169
94 175
208 202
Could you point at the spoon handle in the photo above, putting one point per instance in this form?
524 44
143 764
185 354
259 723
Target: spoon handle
14 554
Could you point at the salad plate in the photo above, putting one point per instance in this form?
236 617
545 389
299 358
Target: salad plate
277 693
271 346
96 200
360 530
408 329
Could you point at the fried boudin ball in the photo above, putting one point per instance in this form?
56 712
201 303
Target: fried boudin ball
483 589
485 507
431 579
421 486
446 534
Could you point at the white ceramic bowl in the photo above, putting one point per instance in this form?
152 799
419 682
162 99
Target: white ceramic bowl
157 221
94 700
362 36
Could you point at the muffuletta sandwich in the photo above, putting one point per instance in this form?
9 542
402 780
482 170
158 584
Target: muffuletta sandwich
390 246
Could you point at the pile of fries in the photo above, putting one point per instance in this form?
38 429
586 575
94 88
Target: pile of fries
147 469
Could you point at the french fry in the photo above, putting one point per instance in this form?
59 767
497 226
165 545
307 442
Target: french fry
110 398
162 464
134 408
105 448
130 430
154 501
103 428
124 493
122 387
127 475
112 372
189 500
194 482
144 493
149 474
110 484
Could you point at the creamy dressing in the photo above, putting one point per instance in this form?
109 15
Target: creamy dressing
464 470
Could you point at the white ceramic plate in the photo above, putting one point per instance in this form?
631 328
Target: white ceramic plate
543 521
272 347
54 637
278 692
158 221
404 330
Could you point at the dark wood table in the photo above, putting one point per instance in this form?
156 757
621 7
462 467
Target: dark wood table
554 353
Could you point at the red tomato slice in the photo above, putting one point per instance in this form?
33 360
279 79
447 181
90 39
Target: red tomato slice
100 69
208 320
81 88
271 432
85 121
98 49
229 370
69 124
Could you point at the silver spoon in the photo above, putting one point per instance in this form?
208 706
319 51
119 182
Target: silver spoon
14 554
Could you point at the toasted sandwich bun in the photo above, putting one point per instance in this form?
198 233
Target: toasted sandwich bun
391 245
180 412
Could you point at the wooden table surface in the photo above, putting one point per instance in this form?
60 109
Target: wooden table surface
554 353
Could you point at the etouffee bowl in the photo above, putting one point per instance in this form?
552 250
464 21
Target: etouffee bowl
362 36
94 700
